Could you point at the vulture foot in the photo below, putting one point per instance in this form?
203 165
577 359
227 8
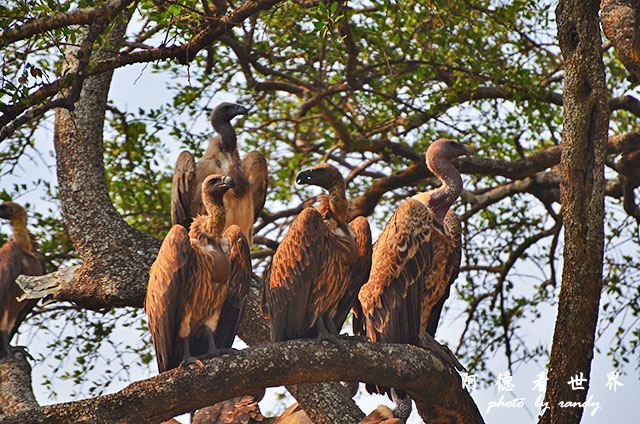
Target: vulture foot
191 360
214 353
361 338
333 339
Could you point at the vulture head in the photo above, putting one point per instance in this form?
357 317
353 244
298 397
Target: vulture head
221 121
213 189
225 112
324 175
13 211
215 186
446 149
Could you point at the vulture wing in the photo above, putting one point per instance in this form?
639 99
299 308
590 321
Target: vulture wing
164 302
402 257
13 262
359 273
239 281
182 190
255 166
451 253
295 267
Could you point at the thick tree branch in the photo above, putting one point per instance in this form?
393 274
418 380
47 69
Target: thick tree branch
108 10
430 381
15 386
584 138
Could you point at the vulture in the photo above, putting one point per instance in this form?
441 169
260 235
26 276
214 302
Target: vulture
17 256
198 283
414 259
245 200
319 266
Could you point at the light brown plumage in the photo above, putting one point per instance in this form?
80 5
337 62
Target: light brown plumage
240 410
313 267
244 202
402 286
17 256
192 277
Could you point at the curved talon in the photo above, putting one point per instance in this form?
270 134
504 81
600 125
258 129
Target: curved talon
191 360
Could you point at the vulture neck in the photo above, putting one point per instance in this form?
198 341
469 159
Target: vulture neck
20 233
228 139
440 200
338 201
217 216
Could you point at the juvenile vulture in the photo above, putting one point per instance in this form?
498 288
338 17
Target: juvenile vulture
245 200
17 256
192 277
319 265
407 278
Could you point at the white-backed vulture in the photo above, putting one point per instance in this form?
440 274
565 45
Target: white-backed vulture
17 256
245 200
317 263
192 277
402 285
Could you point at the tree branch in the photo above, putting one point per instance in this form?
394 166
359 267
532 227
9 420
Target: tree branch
430 381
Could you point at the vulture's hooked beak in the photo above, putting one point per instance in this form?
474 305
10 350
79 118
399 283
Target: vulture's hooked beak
468 150
228 182
4 212
303 177
241 110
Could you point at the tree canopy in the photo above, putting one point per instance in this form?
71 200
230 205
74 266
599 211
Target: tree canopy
364 85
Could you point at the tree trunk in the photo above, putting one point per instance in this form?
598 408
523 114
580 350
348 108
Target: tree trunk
586 120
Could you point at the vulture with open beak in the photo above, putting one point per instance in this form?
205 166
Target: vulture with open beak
320 264
193 277
17 256
414 259
245 200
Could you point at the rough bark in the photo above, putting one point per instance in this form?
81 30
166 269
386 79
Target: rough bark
586 120
15 386
433 384
620 23
95 227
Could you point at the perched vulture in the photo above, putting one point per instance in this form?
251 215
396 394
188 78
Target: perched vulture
245 200
193 277
320 263
17 256
407 278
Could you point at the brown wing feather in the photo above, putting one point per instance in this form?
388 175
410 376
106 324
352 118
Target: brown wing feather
307 276
402 256
255 165
359 273
14 262
164 302
183 189
449 254
243 409
239 281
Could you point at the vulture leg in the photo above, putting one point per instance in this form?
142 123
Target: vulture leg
214 351
330 335
187 358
